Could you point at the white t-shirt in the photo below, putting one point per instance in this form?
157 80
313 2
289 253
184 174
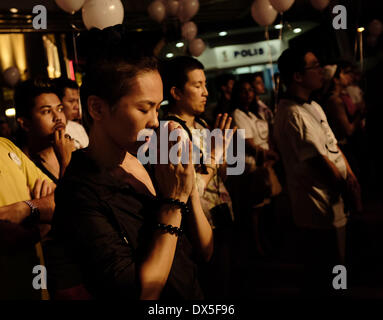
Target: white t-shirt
78 133
255 128
302 132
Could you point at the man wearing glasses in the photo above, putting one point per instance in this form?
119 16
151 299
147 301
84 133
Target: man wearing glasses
319 178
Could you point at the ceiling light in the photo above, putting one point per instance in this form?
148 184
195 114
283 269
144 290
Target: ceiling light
11 112
361 29
222 33
169 55
297 30
179 44
14 10
278 26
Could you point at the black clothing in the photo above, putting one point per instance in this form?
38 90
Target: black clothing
107 226
39 163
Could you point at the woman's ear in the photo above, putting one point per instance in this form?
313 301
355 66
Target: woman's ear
176 93
24 124
96 107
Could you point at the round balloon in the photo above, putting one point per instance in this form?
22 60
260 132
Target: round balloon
263 12
172 7
189 30
282 5
70 6
102 13
196 47
375 28
187 9
320 4
11 76
157 11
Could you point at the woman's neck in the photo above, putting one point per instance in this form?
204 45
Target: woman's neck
104 152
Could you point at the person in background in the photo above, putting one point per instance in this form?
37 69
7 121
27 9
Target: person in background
259 89
225 83
68 92
41 116
346 118
319 178
26 210
253 193
185 87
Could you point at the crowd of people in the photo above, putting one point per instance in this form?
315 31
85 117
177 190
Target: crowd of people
107 226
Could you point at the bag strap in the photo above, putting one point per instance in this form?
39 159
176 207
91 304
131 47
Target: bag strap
184 126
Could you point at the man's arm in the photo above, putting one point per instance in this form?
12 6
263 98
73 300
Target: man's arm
19 211
327 170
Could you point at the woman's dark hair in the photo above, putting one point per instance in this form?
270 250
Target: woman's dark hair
111 80
235 97
27 91
257 74
327 90
113 62
174 73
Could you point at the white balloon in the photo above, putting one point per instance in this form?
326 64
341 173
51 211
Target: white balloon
172 7
102 13
157 11
70 6
189 30
263 12
11 76
282 5
196 47
375 27
320 4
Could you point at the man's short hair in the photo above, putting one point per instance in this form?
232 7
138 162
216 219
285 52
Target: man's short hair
174 73
63 83
291 60
27 91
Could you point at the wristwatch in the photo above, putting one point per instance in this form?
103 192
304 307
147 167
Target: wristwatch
35 212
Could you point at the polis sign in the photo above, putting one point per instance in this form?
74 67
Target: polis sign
242 55
249 52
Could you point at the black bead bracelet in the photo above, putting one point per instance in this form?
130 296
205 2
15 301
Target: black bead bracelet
170 229
182 205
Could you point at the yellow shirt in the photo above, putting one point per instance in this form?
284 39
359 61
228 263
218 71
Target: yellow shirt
18 176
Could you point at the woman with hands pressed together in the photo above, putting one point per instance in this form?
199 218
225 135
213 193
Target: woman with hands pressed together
132 231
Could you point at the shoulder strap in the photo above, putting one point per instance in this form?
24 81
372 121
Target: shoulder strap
182 123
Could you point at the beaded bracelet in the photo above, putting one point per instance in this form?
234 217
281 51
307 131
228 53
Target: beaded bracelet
182 205
170 229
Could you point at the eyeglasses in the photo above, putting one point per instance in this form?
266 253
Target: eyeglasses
313 67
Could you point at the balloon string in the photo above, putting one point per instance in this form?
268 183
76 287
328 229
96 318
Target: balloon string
75 49
361 49
76 63
280 30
